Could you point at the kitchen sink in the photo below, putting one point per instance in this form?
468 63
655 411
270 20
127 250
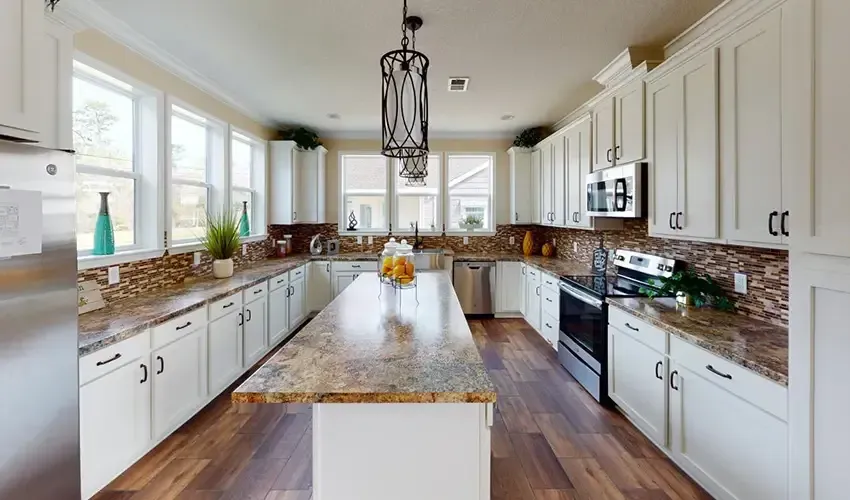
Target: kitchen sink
429 259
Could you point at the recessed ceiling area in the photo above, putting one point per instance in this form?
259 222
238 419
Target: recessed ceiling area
300 62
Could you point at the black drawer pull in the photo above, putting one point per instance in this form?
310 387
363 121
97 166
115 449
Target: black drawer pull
673 376
548 299
548 325
630 327
227 305
161 365
355 266
658 370
258 291
187 325
280 281
110 360
718 373
145 378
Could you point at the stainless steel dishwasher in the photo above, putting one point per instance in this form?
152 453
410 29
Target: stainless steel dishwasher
473 283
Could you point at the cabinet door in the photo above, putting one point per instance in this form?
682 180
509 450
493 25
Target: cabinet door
319 286
521 197
637 382
282 206
751 110
698 165
309 186
523 288
537 212
115 423
57 70
603 134
179 381
21 36
546 182
297 304
578 168
532 304
342 281
511 283
559 181
630 136
254 331
733 448
278 315
663 116
224 341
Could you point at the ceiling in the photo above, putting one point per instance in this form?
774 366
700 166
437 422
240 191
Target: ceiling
297 61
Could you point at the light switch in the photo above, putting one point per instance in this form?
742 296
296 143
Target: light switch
512 240
244 249
466 240
196 259
575 246
114 275
371 240
741 283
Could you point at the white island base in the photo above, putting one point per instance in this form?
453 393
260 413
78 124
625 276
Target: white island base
393 451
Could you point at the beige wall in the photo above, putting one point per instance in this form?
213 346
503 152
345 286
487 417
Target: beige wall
99 46
497 146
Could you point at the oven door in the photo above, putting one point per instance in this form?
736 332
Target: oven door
615 192
583 326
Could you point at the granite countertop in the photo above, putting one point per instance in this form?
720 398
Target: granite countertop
554 265
370 348
753 344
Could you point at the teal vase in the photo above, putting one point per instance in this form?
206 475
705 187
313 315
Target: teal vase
244 224
104 237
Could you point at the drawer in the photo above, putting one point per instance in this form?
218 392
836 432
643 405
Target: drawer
550 301
549 328
355 266
113 357
299 273
533 275
278 281
178 327
225 306
640 330
746 384
551 282
255 292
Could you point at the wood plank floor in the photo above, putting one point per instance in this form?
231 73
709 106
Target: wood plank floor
550 441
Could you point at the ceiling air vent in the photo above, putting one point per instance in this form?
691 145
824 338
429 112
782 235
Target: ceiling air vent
458 84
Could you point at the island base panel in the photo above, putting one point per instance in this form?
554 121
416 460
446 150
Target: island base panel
388 451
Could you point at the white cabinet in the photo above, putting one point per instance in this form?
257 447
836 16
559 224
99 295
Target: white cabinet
511 284
319 289
549 326
224 341
559 181
537 215
21 37
756 180
297 184
297 303
115 413
278 315
637 383
522 201
342 280
547 205
533 284
603 134
179 381
523 288
682 137
55 101
578 166
735 449
629 131
254 330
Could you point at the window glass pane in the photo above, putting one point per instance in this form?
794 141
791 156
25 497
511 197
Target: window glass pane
121 208
103 126
370 211
470 181
241 159
188 212
418 203
365 189
238 197
188 150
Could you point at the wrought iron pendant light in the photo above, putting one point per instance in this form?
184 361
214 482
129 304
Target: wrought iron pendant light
415 170
404 95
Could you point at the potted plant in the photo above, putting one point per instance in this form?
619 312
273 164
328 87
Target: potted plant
530 137
222 241
471 222
692 289
304 138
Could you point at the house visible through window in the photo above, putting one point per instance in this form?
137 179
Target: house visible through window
364 191
190 174
470 183
419 202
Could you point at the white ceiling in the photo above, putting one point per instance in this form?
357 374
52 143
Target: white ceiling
297 61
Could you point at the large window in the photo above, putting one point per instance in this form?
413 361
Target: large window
105 128
470 190
419 202
364 191
247 178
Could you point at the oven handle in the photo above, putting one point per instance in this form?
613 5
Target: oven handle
587 299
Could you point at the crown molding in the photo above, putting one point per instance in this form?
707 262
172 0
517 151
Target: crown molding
82 14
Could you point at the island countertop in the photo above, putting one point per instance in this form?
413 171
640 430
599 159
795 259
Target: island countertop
366 348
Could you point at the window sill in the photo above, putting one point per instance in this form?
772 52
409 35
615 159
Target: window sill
255 238
197 246
93 261
475 232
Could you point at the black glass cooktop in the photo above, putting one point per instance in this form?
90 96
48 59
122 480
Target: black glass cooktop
606 286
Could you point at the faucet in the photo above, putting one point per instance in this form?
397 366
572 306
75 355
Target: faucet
418 241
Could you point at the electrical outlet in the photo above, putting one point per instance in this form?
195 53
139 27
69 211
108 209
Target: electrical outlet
741 283
466 240
359 240
513 240
244 249
114 275
554 243
196 259
575 246
370 239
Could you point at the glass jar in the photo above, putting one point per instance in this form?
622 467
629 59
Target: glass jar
387 258
403 269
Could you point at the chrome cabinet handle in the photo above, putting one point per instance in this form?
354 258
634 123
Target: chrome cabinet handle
187 325
630 327
718 373
673 376
658 370
110 360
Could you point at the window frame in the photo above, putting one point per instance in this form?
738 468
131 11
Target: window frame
259 180
405 230
388 196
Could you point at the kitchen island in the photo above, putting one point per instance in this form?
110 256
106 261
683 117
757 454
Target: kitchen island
402 402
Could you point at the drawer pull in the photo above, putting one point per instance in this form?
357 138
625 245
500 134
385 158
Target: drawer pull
718 373
241 319
673 376
355 266
548 325
145 378
548 299
258 291
110 360
227 305
161 365
280 281
187 325
630 327
658 370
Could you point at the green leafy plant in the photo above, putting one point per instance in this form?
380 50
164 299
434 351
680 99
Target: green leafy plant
305 138
701 289
472 220
221 239
529 138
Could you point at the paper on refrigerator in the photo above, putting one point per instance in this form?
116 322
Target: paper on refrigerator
20 222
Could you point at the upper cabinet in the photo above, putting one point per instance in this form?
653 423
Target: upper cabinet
57 70
521 186
603 134
297 184
21 36
618 127
578 165
536 180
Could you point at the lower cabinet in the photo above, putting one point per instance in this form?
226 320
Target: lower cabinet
510 284
224 342
254 331
532 301
342 280
319 286
297 303
278 315
549 329
179 380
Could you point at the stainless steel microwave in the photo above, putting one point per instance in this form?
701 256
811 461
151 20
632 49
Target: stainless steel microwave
617 192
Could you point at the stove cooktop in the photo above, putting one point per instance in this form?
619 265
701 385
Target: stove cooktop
607 286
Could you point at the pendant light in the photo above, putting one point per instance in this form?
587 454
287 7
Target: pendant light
413 168
404 106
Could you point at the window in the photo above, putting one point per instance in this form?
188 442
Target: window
470 189
247 178
364 191
419 203
105 119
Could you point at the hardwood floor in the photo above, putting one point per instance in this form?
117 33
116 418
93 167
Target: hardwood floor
550 441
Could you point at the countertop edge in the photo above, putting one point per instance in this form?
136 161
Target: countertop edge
756 368
417 398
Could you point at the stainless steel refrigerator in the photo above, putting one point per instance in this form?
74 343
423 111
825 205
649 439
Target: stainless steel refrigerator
39 390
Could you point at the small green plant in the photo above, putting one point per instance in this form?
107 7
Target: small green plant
472 220
305 138
701 289
529 138
221 239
